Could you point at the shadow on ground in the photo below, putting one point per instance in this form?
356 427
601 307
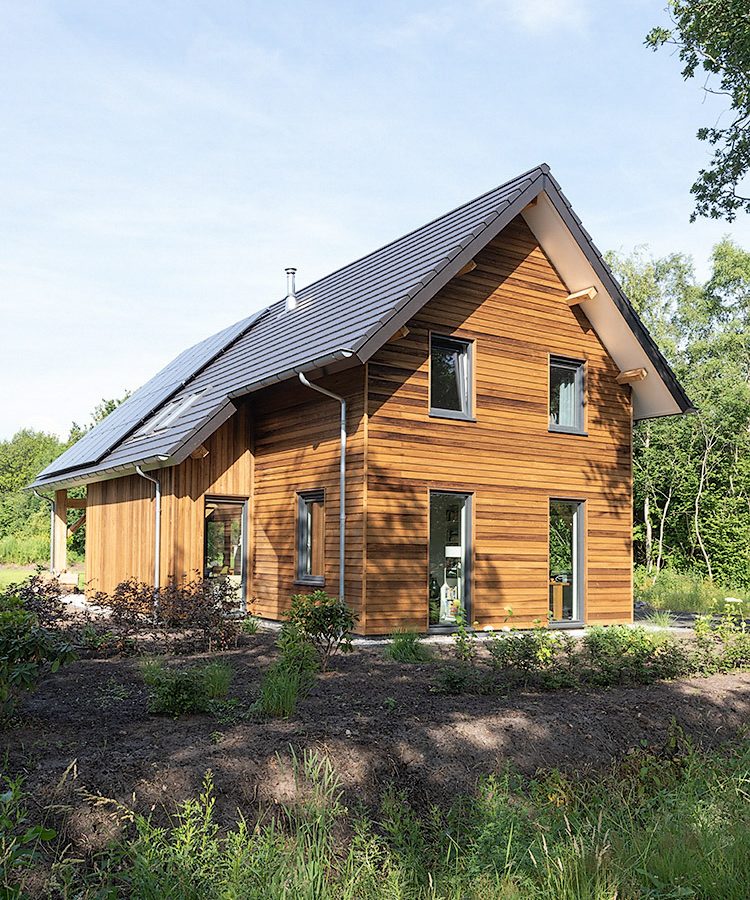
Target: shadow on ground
376 719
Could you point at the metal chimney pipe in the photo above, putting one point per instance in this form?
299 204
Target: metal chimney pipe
291 294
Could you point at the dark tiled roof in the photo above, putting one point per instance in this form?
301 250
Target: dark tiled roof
357 307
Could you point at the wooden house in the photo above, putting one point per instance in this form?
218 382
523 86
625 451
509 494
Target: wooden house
469 390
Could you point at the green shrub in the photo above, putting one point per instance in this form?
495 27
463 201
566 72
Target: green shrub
407 647
619 654
723 638
525 652
27 650
177 692
325 621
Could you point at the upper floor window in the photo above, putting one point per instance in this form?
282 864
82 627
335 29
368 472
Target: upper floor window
565 395
450 378
310 537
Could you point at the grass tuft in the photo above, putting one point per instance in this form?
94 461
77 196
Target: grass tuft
407 647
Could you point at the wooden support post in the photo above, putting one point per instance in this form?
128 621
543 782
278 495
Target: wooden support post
580 296
60 547
630 376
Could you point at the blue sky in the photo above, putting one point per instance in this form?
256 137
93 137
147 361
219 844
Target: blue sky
160 163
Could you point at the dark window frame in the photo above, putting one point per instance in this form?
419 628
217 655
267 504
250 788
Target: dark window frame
579 368
303 551
243 503
466 390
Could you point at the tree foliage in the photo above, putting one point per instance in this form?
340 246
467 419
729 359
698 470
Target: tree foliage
692 473
22 514
713 38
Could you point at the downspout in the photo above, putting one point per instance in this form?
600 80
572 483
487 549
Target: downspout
51 528
342 475
157 525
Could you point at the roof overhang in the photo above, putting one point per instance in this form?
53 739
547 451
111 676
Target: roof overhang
616 323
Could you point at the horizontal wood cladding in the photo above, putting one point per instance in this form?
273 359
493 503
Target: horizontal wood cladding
296 447
513 307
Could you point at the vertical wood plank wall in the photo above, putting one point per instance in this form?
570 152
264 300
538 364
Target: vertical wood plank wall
120 513
513 307
119 532
296 446
227 471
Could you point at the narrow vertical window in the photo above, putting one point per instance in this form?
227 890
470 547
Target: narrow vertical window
224 543
565 395
450 378
566 554
450 554
311 537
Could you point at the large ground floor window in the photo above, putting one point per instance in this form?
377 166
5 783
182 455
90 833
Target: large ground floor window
566 561
224 543
450 536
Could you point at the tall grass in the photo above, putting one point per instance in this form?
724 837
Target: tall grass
23 551
682 591
406 646
670 824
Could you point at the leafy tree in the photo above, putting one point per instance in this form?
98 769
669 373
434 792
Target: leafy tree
22 514
691 485
713 37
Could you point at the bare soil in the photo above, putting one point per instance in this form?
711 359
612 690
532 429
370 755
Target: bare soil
377 719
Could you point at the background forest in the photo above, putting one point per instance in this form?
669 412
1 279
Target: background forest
692 473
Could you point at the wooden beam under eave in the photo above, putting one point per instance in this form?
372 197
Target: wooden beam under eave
76 503
200 452
464 270
630 376
581 296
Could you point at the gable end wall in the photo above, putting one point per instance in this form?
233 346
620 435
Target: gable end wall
513 307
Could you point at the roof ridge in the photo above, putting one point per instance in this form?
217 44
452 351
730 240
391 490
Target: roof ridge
542 168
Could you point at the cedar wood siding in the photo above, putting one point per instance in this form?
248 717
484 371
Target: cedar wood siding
120 512
285 438
119 532
296 446
513 307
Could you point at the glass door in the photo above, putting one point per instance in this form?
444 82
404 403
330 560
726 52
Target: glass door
566 561
450 535
224 543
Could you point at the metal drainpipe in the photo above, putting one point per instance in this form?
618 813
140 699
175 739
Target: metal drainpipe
52 507
342 477
157 525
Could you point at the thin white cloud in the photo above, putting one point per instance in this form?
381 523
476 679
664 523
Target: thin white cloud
539 16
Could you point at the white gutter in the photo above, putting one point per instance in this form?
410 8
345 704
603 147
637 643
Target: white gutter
157 524
342 476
